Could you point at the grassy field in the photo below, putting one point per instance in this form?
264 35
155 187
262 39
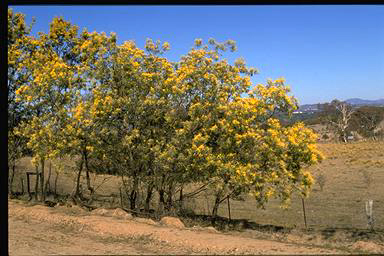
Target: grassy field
353 173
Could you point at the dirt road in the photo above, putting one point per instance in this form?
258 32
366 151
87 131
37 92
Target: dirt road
40 230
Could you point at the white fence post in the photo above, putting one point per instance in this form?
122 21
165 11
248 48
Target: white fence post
369 213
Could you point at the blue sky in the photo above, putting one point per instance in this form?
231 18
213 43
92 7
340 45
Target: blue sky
324 52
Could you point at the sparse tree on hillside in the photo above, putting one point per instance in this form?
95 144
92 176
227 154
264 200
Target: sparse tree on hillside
342 119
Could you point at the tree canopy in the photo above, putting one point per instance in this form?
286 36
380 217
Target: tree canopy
157 124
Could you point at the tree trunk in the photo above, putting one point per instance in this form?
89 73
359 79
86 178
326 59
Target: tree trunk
57 177
124 185
133 195
12 177
215 208
181 198
48 181
169 198
37 182
121 198
161 195
91 190
229 209
149 196
161 201
132 199
42 181
77 190
28 188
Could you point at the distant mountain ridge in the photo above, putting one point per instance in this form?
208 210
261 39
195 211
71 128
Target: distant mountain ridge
354 102
358 101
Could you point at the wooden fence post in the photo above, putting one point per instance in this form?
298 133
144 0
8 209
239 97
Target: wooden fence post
22 185
37 182
28 187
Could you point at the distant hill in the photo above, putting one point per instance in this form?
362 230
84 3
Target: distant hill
357 101
311 108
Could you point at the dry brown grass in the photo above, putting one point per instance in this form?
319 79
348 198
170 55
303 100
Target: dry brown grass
341 204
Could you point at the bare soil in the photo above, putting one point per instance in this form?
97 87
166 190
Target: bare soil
41 230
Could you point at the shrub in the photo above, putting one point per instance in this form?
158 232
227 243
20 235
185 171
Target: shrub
321 179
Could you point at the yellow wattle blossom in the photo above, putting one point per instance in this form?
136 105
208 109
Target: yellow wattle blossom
89 148
280 80
21 89
86 44
166 46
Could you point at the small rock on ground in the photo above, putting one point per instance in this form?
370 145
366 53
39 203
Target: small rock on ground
211 229
172 222
120 213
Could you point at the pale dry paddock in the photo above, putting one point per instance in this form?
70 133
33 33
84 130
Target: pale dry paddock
341 204
40 230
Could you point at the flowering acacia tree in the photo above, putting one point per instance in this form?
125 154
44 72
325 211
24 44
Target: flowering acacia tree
161 125
237 144
61 68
